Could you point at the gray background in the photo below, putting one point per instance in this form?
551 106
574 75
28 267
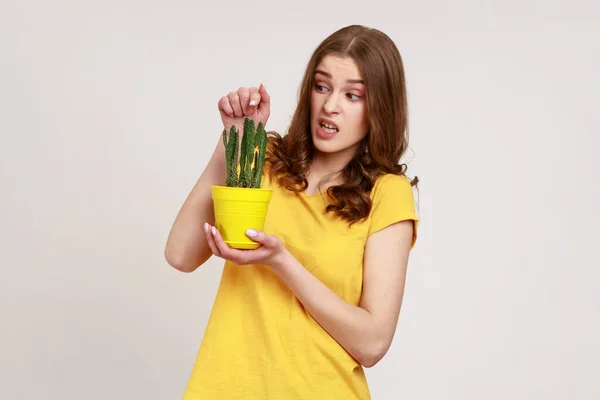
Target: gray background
109 114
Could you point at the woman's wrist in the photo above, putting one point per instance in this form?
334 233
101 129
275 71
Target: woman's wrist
282 261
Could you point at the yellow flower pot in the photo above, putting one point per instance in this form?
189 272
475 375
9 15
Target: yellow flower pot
237 210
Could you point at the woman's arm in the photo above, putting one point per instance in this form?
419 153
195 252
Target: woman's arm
365 331
186 247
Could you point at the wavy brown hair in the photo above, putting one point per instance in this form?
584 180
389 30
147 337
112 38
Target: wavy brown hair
380 63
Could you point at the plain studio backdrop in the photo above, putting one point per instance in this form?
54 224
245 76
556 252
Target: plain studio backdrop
109 115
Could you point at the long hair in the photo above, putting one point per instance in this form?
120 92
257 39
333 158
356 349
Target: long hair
380 151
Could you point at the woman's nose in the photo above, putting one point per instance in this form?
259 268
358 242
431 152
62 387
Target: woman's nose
331 105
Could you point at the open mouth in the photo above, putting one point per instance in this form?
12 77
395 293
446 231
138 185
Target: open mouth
328 126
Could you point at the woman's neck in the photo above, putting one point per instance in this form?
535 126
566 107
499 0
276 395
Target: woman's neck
325 170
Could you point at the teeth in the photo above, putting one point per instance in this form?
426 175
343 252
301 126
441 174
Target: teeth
328 126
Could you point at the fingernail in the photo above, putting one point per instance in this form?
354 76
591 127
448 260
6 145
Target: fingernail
251 232
253 103
206 227
214 230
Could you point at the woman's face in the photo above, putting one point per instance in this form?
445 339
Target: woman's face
338 99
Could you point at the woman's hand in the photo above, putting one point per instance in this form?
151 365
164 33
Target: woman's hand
253 103
271 252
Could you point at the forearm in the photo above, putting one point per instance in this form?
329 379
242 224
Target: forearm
354 328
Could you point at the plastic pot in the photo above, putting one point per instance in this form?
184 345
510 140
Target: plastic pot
237 210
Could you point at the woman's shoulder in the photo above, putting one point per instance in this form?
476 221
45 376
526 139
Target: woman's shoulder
389 182
393 201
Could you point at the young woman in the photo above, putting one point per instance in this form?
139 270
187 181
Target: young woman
299 317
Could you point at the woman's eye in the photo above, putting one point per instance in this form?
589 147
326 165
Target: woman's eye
322 89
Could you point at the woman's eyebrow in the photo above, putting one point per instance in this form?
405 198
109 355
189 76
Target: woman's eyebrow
327 74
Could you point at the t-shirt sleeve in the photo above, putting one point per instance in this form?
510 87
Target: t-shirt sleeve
392 201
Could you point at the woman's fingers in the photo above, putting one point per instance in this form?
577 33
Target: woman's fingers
225 106
211 241
219 242
224 250
264 107
270 248
254 100
234 100
265 97
246 102
244 96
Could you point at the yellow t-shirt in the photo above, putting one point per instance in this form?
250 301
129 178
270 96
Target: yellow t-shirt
260 342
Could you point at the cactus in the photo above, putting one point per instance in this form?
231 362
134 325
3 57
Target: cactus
231 156
251 159
260 140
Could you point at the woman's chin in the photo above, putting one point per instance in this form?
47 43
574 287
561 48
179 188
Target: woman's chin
323 147
320 145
